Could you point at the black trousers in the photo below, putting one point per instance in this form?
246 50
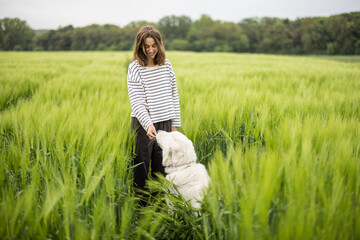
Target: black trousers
148 154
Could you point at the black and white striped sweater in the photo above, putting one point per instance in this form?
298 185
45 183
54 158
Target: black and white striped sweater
153 94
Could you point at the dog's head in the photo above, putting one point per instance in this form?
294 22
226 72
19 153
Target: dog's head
177 149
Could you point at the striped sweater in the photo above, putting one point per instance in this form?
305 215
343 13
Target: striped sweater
153 94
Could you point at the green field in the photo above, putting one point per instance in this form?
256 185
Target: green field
279 135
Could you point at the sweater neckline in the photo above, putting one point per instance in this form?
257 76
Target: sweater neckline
156 66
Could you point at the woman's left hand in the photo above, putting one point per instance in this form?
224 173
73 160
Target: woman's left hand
173 129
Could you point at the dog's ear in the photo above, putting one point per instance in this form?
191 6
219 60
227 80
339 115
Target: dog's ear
167 156
178 152
178 155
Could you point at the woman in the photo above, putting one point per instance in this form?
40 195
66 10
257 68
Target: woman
154 101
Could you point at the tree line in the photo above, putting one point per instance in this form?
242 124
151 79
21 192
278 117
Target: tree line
336 34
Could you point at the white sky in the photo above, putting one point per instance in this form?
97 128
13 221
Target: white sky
51 14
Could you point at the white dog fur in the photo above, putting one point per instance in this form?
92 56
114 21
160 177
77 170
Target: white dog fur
179 160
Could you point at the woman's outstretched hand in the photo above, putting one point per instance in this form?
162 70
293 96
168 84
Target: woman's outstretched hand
151 132
173 129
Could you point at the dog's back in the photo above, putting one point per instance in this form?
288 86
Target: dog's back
192 181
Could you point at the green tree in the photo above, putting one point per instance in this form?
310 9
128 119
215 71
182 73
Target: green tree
174 27
200 35
276 36
337 34
15 33
41 41
314 36
63 38
296 34
343 32
335 27
252 29
78 39
179 44
229 37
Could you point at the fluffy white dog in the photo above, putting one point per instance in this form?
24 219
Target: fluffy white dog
179 160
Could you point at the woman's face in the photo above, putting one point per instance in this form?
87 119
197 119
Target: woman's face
150 48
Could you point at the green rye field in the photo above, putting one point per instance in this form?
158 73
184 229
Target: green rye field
279 136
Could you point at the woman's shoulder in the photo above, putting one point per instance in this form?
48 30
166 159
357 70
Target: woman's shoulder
134 66
134 63
167 62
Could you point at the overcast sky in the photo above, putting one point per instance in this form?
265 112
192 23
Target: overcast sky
51 14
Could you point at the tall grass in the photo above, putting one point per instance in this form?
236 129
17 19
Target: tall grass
279 136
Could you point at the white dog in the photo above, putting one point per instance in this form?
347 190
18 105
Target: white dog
179 160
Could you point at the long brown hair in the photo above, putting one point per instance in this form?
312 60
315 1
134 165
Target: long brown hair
139 55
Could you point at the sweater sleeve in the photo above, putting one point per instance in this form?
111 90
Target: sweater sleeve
176 122
137 96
